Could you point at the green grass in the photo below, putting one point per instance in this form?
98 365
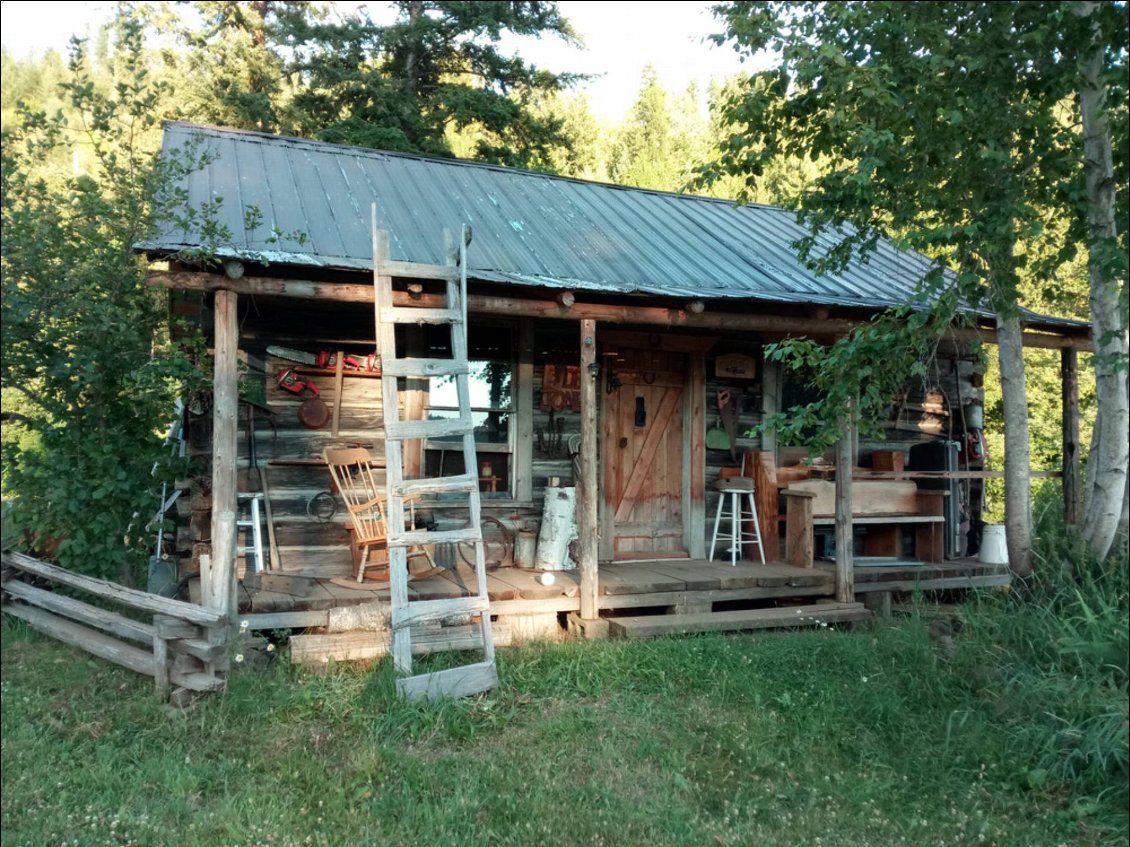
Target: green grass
829 737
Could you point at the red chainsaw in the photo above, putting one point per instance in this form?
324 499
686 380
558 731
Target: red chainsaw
313 412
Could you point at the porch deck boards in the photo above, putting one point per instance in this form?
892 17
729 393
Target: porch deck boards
617 583
667 582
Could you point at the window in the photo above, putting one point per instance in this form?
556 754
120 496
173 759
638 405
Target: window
490 353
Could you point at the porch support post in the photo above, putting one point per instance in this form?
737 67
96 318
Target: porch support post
1072 490
587 525
218 586
845 563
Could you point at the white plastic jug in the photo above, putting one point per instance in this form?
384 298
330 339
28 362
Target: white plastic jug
994 547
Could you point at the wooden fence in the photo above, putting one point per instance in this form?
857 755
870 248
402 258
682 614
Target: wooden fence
184 649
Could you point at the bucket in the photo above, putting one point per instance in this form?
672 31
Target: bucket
525 550
994 548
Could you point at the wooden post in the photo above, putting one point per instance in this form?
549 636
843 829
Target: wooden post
339 384
845 563
694 459
219 592
798 529
161 666
770 404
1072 490
587 490
524 410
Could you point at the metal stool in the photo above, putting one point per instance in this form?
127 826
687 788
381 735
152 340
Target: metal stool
733 489
256 545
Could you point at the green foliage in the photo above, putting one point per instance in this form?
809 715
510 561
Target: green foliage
856 377
406 86
948 127
234 67
92 382
661 141
31 82
1053 656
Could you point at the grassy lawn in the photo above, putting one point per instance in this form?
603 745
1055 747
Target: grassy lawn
860 737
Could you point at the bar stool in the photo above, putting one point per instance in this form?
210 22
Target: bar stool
732 489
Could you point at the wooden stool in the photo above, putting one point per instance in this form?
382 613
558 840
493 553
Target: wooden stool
733 489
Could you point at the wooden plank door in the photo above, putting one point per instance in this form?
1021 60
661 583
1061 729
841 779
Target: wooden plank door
644 455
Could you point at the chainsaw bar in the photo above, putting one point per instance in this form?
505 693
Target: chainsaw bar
290 355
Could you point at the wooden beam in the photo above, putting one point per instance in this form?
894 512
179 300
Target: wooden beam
529 307
587 524
76 610
1072 490
845 566
218 591
111 591
83 637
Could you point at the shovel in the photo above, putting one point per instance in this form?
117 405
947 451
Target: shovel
728 412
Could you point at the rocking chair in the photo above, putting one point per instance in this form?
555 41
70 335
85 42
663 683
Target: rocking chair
355 479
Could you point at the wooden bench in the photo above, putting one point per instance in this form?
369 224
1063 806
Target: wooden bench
885 507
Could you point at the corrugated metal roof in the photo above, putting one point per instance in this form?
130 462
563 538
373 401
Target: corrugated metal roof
530 229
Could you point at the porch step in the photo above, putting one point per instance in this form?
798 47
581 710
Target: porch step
652 626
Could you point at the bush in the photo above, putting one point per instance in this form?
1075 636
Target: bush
87 371
1053 658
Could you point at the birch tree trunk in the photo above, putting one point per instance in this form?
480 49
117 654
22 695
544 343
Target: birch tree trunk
1017 454
1105 504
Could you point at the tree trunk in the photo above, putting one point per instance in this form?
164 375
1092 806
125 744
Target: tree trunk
1106 487
1017 488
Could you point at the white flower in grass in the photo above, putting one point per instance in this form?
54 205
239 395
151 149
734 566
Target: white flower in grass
270 648
239 658
243 625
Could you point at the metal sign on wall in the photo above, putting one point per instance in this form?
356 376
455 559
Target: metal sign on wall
561 387
735 366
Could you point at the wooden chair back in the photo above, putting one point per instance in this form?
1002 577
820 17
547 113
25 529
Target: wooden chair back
355 478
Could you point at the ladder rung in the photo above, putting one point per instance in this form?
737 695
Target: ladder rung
422 536
435 485
453 682
421 611
424 367
439 428
410 315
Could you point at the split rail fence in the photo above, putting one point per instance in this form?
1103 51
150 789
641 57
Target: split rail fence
184 649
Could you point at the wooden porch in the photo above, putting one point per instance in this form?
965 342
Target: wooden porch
281 600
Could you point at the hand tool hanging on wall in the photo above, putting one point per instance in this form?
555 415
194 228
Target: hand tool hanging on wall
327 360
728 412
313 413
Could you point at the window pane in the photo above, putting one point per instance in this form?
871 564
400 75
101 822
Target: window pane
488 383
490 427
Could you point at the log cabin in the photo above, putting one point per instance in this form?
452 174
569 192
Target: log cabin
615 342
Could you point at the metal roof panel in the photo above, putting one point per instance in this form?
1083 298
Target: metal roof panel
530 229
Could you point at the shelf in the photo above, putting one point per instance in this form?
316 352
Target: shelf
309 371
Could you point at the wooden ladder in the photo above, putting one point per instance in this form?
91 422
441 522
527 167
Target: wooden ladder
470 678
